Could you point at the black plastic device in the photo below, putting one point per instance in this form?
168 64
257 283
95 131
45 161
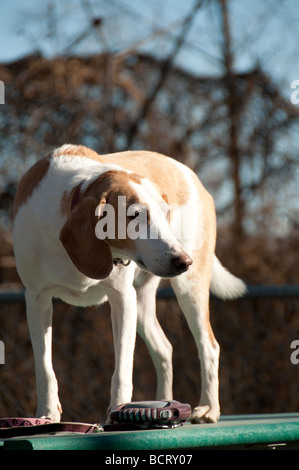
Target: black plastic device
151 414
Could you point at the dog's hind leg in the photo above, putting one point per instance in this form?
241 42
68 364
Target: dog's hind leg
151 332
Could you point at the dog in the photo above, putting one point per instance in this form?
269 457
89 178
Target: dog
90 228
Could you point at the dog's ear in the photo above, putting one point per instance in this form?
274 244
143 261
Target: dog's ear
90 255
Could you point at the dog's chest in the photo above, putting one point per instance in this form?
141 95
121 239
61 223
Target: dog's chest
93 295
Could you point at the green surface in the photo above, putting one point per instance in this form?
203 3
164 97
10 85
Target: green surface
246 431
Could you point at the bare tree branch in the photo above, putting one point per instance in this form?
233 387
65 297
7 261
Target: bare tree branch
165 69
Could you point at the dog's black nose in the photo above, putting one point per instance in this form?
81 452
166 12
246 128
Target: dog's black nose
182 263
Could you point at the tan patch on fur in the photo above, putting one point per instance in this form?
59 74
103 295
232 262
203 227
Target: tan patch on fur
30 181
159 169
113 181
91 256
106 189
77 151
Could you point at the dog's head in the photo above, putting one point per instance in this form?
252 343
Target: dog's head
120 215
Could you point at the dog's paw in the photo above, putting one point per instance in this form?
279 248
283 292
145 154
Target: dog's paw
53 414
205 414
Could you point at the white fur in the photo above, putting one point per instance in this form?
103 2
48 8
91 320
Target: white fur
224 284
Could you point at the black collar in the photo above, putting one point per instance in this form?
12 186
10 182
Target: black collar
118 261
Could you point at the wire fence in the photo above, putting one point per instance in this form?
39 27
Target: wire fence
258 373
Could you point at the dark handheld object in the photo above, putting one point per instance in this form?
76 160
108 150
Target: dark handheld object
152 414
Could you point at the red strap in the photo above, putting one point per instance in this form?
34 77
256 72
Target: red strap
13 427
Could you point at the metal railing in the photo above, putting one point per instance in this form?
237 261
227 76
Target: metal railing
255 334
260 291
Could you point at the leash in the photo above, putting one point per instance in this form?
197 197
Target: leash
17 427
126 417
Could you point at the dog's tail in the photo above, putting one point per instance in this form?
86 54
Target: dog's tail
224 284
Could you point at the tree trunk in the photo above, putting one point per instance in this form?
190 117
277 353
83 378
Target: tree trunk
233 105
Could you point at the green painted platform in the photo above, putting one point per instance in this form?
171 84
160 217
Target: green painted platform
279 431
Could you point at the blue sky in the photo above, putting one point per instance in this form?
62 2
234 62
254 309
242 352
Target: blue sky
266 31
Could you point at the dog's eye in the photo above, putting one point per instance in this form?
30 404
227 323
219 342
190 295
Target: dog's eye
135 215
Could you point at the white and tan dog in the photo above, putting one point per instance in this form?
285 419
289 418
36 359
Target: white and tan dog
80 218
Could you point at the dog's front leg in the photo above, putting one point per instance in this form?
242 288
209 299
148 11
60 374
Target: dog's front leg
39 317
124 323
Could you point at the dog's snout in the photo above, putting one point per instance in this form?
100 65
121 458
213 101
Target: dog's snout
182 263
